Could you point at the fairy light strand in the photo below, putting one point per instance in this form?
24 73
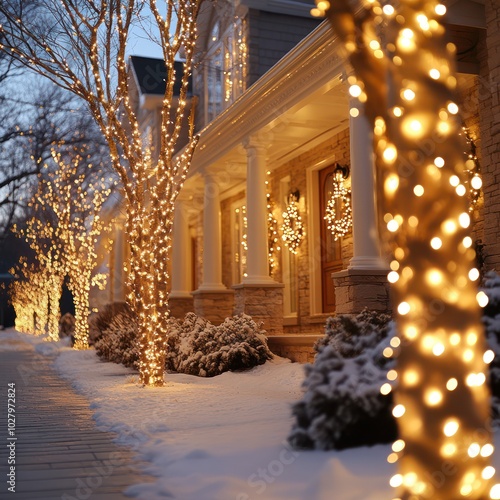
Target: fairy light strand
339 223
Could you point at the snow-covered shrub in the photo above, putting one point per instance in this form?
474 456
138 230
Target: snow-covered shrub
101 320
119 341
342 405
198 347
491 320
66 325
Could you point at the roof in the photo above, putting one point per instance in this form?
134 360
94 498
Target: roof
151 74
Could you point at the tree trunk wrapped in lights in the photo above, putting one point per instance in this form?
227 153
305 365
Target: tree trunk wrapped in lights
81 46
405 80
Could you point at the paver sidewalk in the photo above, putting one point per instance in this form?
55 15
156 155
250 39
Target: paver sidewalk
59 453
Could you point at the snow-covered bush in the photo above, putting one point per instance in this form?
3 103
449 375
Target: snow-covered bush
491 320
100 321
66 325
119 341
198 347
342 405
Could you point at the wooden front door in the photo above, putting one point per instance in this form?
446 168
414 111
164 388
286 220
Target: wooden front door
331 250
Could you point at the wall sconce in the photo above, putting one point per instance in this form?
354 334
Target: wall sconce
293 196
341 172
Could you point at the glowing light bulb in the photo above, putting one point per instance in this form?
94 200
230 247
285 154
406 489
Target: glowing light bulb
451 427
482 299
452 384
418 190
436 243
404 308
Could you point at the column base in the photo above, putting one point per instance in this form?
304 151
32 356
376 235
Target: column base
214 305
367 264
356 289
180 305
263 302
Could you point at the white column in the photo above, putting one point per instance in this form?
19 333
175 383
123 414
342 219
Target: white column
181 254
366 247
212 248
257 234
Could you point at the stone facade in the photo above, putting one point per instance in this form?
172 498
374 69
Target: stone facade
356 289
213 305
295 347
263 303
489 112
180 306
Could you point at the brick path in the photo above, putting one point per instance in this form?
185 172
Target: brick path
60 455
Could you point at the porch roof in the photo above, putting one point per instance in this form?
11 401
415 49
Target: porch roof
298 103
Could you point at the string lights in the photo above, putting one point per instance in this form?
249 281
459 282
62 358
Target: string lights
76 200
473 172
405 84
292 227
63 234
273 235
87 57
338 211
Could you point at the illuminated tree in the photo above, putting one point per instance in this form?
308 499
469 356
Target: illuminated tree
81 46
30 297
405 78
73 201
46 277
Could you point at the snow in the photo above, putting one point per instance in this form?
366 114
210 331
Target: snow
221 438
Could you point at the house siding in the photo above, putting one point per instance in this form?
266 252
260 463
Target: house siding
270 37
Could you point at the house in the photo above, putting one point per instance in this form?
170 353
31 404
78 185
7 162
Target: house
280 153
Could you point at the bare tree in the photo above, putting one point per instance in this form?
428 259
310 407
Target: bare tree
81 47
30 127
405 83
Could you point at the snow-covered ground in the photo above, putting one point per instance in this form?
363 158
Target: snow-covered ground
222 438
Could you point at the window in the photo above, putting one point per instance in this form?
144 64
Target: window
220 77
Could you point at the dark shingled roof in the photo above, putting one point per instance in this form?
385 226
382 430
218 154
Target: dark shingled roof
151 74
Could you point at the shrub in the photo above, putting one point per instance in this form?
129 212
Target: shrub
66 325
119 341
342 405
100 321
197 347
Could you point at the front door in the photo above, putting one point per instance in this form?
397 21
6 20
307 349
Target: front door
331 250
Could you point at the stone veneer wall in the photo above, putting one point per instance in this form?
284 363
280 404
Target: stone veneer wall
489 112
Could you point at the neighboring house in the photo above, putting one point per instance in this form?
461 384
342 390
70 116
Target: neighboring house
273 117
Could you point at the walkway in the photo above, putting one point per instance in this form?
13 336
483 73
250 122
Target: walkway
59 453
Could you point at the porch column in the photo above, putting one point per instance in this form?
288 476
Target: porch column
366 247
364 282
212 248
180 300
258 253
258 295
212 300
